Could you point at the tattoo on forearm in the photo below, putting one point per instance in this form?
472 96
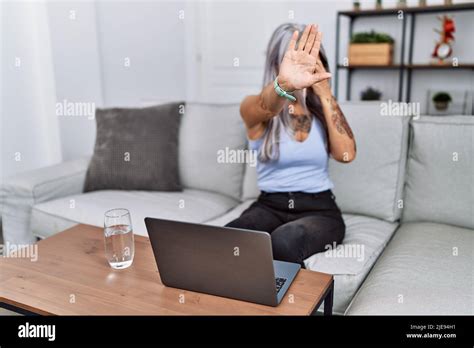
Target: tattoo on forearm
338 119
301 123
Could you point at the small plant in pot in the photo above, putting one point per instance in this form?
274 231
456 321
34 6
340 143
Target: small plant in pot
402 3
370 94
441 100
371 37
371 48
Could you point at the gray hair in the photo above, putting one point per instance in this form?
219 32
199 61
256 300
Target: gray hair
276 49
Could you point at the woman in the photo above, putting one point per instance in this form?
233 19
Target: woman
295 124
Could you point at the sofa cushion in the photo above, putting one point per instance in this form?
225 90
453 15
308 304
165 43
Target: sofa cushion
350 262
372 184
136 149
205 130
250 188
189 205
364 241
425 270
440 175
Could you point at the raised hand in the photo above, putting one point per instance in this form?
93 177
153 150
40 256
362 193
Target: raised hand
322 88
298 69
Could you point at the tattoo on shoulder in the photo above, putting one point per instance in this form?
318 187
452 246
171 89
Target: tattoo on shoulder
338 119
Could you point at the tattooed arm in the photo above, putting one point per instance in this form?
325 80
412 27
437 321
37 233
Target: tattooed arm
341 140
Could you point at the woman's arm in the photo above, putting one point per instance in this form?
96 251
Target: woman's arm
341 139
256 110
297 71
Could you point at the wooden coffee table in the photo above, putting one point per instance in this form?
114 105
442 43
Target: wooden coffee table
72 277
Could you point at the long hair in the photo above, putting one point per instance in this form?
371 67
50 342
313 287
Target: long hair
312 104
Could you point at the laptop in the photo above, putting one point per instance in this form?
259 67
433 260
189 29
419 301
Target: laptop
223 261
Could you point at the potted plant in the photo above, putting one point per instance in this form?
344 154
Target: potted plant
356 5
371 48
378 5
370 94
441 100
402 3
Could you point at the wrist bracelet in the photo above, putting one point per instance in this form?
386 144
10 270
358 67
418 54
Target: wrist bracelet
281 92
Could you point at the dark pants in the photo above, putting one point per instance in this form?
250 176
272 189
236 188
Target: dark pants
301 224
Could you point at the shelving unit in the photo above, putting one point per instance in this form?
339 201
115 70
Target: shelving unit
403 67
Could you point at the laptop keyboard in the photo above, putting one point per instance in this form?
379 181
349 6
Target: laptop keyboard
279 283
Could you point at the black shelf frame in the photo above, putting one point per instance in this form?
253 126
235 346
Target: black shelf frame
403 67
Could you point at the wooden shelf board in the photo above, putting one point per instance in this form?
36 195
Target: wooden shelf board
408 9
408 66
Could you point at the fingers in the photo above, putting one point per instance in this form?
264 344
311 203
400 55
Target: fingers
320 66
317 45
311 38
292 44
321 77
304 37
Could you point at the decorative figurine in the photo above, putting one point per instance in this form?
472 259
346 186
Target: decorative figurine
443 47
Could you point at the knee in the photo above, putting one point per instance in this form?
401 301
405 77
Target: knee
288 243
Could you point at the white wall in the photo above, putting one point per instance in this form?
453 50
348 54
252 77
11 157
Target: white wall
151 35
77 71
29 134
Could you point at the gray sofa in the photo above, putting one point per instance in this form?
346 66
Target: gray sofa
407 201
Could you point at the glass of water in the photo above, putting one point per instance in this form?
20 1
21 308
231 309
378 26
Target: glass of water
119 242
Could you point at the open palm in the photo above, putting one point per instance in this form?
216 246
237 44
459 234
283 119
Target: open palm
298 69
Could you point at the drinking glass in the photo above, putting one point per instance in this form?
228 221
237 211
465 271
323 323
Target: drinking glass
119 242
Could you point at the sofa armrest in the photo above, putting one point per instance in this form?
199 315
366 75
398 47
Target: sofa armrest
20 193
